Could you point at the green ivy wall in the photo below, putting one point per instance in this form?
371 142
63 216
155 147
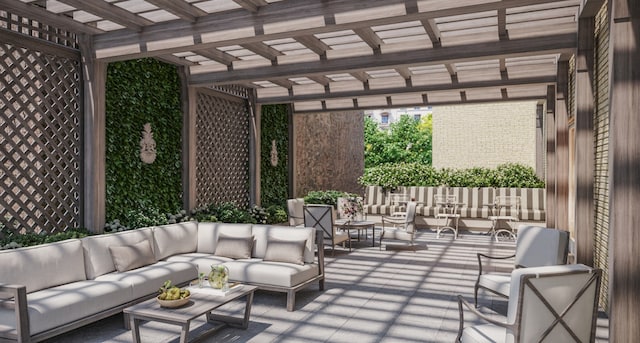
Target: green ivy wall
274 179
139 92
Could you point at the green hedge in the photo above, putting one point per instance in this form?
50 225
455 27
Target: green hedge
390 176
138 92
274 180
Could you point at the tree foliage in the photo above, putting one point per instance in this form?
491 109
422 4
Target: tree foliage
407 140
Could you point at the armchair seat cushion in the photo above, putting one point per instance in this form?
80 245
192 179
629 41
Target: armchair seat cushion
486 333
59 305
280 274
397 234
497 282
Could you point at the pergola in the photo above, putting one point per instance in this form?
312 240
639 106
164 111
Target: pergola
338 55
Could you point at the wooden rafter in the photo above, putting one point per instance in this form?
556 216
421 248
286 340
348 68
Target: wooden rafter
181 9
369 37
262 50
313 44
563 43
218 56
251 5
110 12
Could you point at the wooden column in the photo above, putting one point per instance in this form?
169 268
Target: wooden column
255 152
624 161
188 97
562 147
584 156
292 155
540 147
550 134
94 75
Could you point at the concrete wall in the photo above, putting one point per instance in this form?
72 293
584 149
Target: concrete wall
484 135
328 152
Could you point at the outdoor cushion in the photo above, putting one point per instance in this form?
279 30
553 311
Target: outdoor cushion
148 279
202 261
52 307
497 282
208 234
43 266
486 333
97 258
234 247
175 239
127 257
270 273
262 233
288 251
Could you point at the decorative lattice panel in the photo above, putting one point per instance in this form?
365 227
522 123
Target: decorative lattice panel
40 141
222 150
235 90
37 29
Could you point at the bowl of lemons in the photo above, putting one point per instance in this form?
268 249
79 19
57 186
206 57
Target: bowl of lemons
171 296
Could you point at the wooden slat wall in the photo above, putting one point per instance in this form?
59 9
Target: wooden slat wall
601 136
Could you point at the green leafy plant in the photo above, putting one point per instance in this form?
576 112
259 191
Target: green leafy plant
138 92
391 176
326 197
276 214
406 140
274 180
18 240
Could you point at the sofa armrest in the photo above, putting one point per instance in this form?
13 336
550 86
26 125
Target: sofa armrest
18 304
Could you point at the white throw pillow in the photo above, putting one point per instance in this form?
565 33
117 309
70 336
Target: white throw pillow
127 257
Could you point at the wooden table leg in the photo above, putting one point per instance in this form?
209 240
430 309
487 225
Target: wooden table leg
135 328
184 333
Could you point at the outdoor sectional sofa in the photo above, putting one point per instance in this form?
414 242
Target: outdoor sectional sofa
475 201
49 289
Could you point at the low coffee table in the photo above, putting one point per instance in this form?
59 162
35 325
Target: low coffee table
199 304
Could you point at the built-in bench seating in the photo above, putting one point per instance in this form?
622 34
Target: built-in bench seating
476 202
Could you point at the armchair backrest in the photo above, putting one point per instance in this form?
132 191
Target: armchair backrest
294 211
538 246
320 217
410 221
508 205
553 304
446 204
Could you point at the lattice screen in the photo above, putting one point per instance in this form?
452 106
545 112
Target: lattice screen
40 141
222 150
235 90
36 29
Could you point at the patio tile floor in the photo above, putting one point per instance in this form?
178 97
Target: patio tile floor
393 295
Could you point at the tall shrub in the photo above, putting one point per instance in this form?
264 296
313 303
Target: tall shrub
138 92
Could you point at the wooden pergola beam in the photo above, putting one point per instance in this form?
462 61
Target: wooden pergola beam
182 9
532 81
44 16
512 48
110 12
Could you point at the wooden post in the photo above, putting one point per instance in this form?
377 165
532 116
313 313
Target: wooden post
188 96
550 182
624 159
255 153
562 147
94 75
584 157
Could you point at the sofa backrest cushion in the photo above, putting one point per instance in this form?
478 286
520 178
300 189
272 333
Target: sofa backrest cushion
208 234
97 258
128 257
43 266
263 233
173 239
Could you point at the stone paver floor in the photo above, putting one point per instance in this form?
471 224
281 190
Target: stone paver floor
393 295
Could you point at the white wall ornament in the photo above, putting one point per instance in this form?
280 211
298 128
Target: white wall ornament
147 145
274 153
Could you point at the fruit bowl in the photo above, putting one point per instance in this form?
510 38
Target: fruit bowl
173 303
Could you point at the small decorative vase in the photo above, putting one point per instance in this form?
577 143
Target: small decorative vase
219 277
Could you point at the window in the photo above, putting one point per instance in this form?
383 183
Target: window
384 118
417 117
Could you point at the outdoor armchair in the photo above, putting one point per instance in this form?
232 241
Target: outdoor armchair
321 218
404 226
294 211
535 247
546 304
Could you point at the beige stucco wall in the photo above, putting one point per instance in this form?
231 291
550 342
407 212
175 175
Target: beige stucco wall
484 135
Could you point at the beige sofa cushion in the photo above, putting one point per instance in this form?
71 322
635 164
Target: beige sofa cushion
201 260
175 239
56 306
234 247
127 257
287 251
97 257
43 266
271 273
208 234
262 233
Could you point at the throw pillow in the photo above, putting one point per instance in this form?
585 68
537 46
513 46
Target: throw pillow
288 251
234 247
127 257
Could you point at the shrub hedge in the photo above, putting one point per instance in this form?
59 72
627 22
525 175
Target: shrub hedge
390 176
